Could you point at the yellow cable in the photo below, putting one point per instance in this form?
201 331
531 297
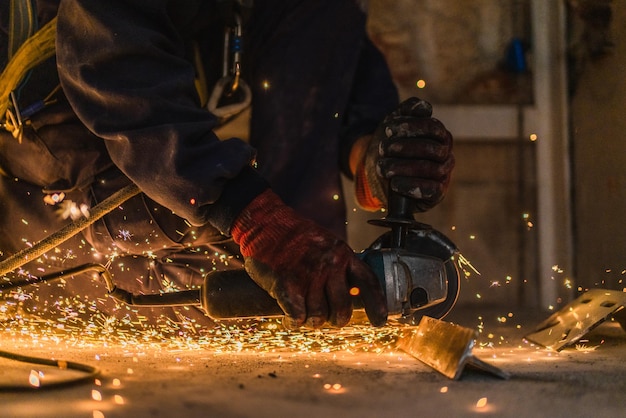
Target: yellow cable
33 52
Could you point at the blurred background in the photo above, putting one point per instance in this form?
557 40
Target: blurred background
534 94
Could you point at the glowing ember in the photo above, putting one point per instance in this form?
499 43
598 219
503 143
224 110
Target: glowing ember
334 388
482 402
96 395
34 378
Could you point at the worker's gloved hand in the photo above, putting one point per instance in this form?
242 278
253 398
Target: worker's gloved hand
308 270
411 152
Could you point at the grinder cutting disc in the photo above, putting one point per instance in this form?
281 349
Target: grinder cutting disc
423 240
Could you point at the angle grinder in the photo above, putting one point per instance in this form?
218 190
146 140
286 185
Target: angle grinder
414 263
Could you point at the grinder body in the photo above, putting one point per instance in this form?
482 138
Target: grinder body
419 279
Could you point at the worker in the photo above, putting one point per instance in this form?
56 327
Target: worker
136 93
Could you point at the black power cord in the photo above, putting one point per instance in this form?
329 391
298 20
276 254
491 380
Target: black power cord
22 257
90 373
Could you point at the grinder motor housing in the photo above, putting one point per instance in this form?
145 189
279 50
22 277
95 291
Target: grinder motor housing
419 279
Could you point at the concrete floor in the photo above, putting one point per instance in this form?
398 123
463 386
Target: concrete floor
350 373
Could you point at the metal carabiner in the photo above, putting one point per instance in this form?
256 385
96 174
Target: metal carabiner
231 94
233 39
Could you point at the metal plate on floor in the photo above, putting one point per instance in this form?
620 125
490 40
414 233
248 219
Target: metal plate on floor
577 318
445 347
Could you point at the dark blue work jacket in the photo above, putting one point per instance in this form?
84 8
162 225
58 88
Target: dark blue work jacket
127 74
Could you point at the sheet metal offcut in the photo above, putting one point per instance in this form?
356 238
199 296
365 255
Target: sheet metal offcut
577 318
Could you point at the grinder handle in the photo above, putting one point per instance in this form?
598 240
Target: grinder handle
233 294
399 217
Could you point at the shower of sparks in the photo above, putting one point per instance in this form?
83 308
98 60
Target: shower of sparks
74 328
585 348
78 322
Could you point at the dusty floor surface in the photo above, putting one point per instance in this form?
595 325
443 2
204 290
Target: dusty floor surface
349 374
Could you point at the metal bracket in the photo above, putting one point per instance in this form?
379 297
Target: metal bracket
446 347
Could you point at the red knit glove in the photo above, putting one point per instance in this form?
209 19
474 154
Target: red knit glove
308 270
411 152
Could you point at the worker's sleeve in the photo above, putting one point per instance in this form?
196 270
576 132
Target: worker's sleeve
123 67
372 97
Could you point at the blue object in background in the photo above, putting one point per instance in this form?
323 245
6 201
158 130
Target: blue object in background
515 57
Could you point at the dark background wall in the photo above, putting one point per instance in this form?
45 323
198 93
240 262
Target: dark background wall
459 50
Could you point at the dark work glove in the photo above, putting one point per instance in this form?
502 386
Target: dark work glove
411 152
308 270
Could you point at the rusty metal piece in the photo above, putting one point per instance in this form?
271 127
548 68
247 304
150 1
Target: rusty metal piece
577 318
445 347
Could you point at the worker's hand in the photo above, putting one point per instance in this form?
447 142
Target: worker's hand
411 152
308 270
